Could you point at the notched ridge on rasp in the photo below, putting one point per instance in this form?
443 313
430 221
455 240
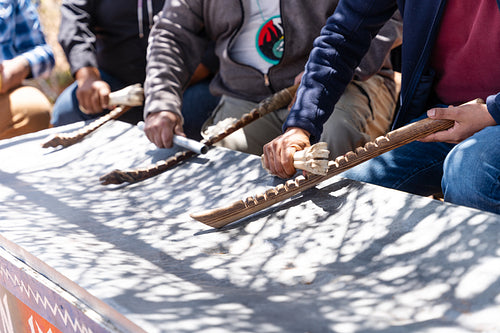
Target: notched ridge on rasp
117 177
274 102
67 140
291 187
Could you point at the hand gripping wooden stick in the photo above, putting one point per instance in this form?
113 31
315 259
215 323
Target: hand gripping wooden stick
187 143
313 159
220 217
279 100
124 98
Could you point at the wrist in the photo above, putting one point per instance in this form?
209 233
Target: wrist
87 73
24 66
298 130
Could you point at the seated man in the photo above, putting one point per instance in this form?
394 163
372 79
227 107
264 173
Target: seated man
105 43
262 48
445 62
24 54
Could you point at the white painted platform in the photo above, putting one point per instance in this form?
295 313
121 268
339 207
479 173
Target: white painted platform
344 257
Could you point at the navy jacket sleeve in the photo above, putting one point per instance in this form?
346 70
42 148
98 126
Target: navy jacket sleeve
339 49
493 103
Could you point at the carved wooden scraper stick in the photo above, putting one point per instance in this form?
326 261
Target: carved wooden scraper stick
277 101
220 217
124 98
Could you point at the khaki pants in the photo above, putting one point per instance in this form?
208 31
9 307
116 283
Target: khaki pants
364 112
23 110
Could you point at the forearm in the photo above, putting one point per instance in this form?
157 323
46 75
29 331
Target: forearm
87 73
29 42
13 73
41 61
76 34
344 40
175 49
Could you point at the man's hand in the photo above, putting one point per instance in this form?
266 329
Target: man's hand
13 73
92 93
160 128
469 119
278 154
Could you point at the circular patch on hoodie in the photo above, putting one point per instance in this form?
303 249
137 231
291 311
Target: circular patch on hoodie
270 40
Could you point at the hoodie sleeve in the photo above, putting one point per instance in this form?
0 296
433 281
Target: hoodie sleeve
76 34
176 45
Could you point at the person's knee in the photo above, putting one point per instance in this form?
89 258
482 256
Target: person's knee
31 110
38 119
343 133
471 176
455 182
66 108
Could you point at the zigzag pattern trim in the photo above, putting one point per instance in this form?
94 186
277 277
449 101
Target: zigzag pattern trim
55 309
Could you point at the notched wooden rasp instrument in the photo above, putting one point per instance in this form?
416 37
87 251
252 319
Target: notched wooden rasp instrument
124 99
66 140
219 217
277 101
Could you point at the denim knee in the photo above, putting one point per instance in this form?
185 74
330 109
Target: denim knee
472 174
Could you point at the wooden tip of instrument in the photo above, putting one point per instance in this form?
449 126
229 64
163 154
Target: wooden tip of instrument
114 177
53 141
217 218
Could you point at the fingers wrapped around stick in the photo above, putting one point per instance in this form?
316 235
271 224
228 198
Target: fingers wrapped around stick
312 159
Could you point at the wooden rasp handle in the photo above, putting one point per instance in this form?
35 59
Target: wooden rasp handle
220 217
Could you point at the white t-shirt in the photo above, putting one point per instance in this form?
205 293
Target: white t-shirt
260 41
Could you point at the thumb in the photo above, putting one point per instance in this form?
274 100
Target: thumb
443 113
178 128
104 92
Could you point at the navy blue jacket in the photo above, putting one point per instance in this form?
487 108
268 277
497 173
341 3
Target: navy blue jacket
342 43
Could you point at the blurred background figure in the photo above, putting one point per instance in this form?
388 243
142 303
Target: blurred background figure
105 43
24 54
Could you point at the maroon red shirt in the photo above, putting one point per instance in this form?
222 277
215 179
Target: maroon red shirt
466 56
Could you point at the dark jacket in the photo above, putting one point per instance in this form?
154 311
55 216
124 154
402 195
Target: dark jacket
106 34
343 42
185 26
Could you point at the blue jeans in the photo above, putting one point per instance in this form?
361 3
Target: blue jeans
468 173
197 106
